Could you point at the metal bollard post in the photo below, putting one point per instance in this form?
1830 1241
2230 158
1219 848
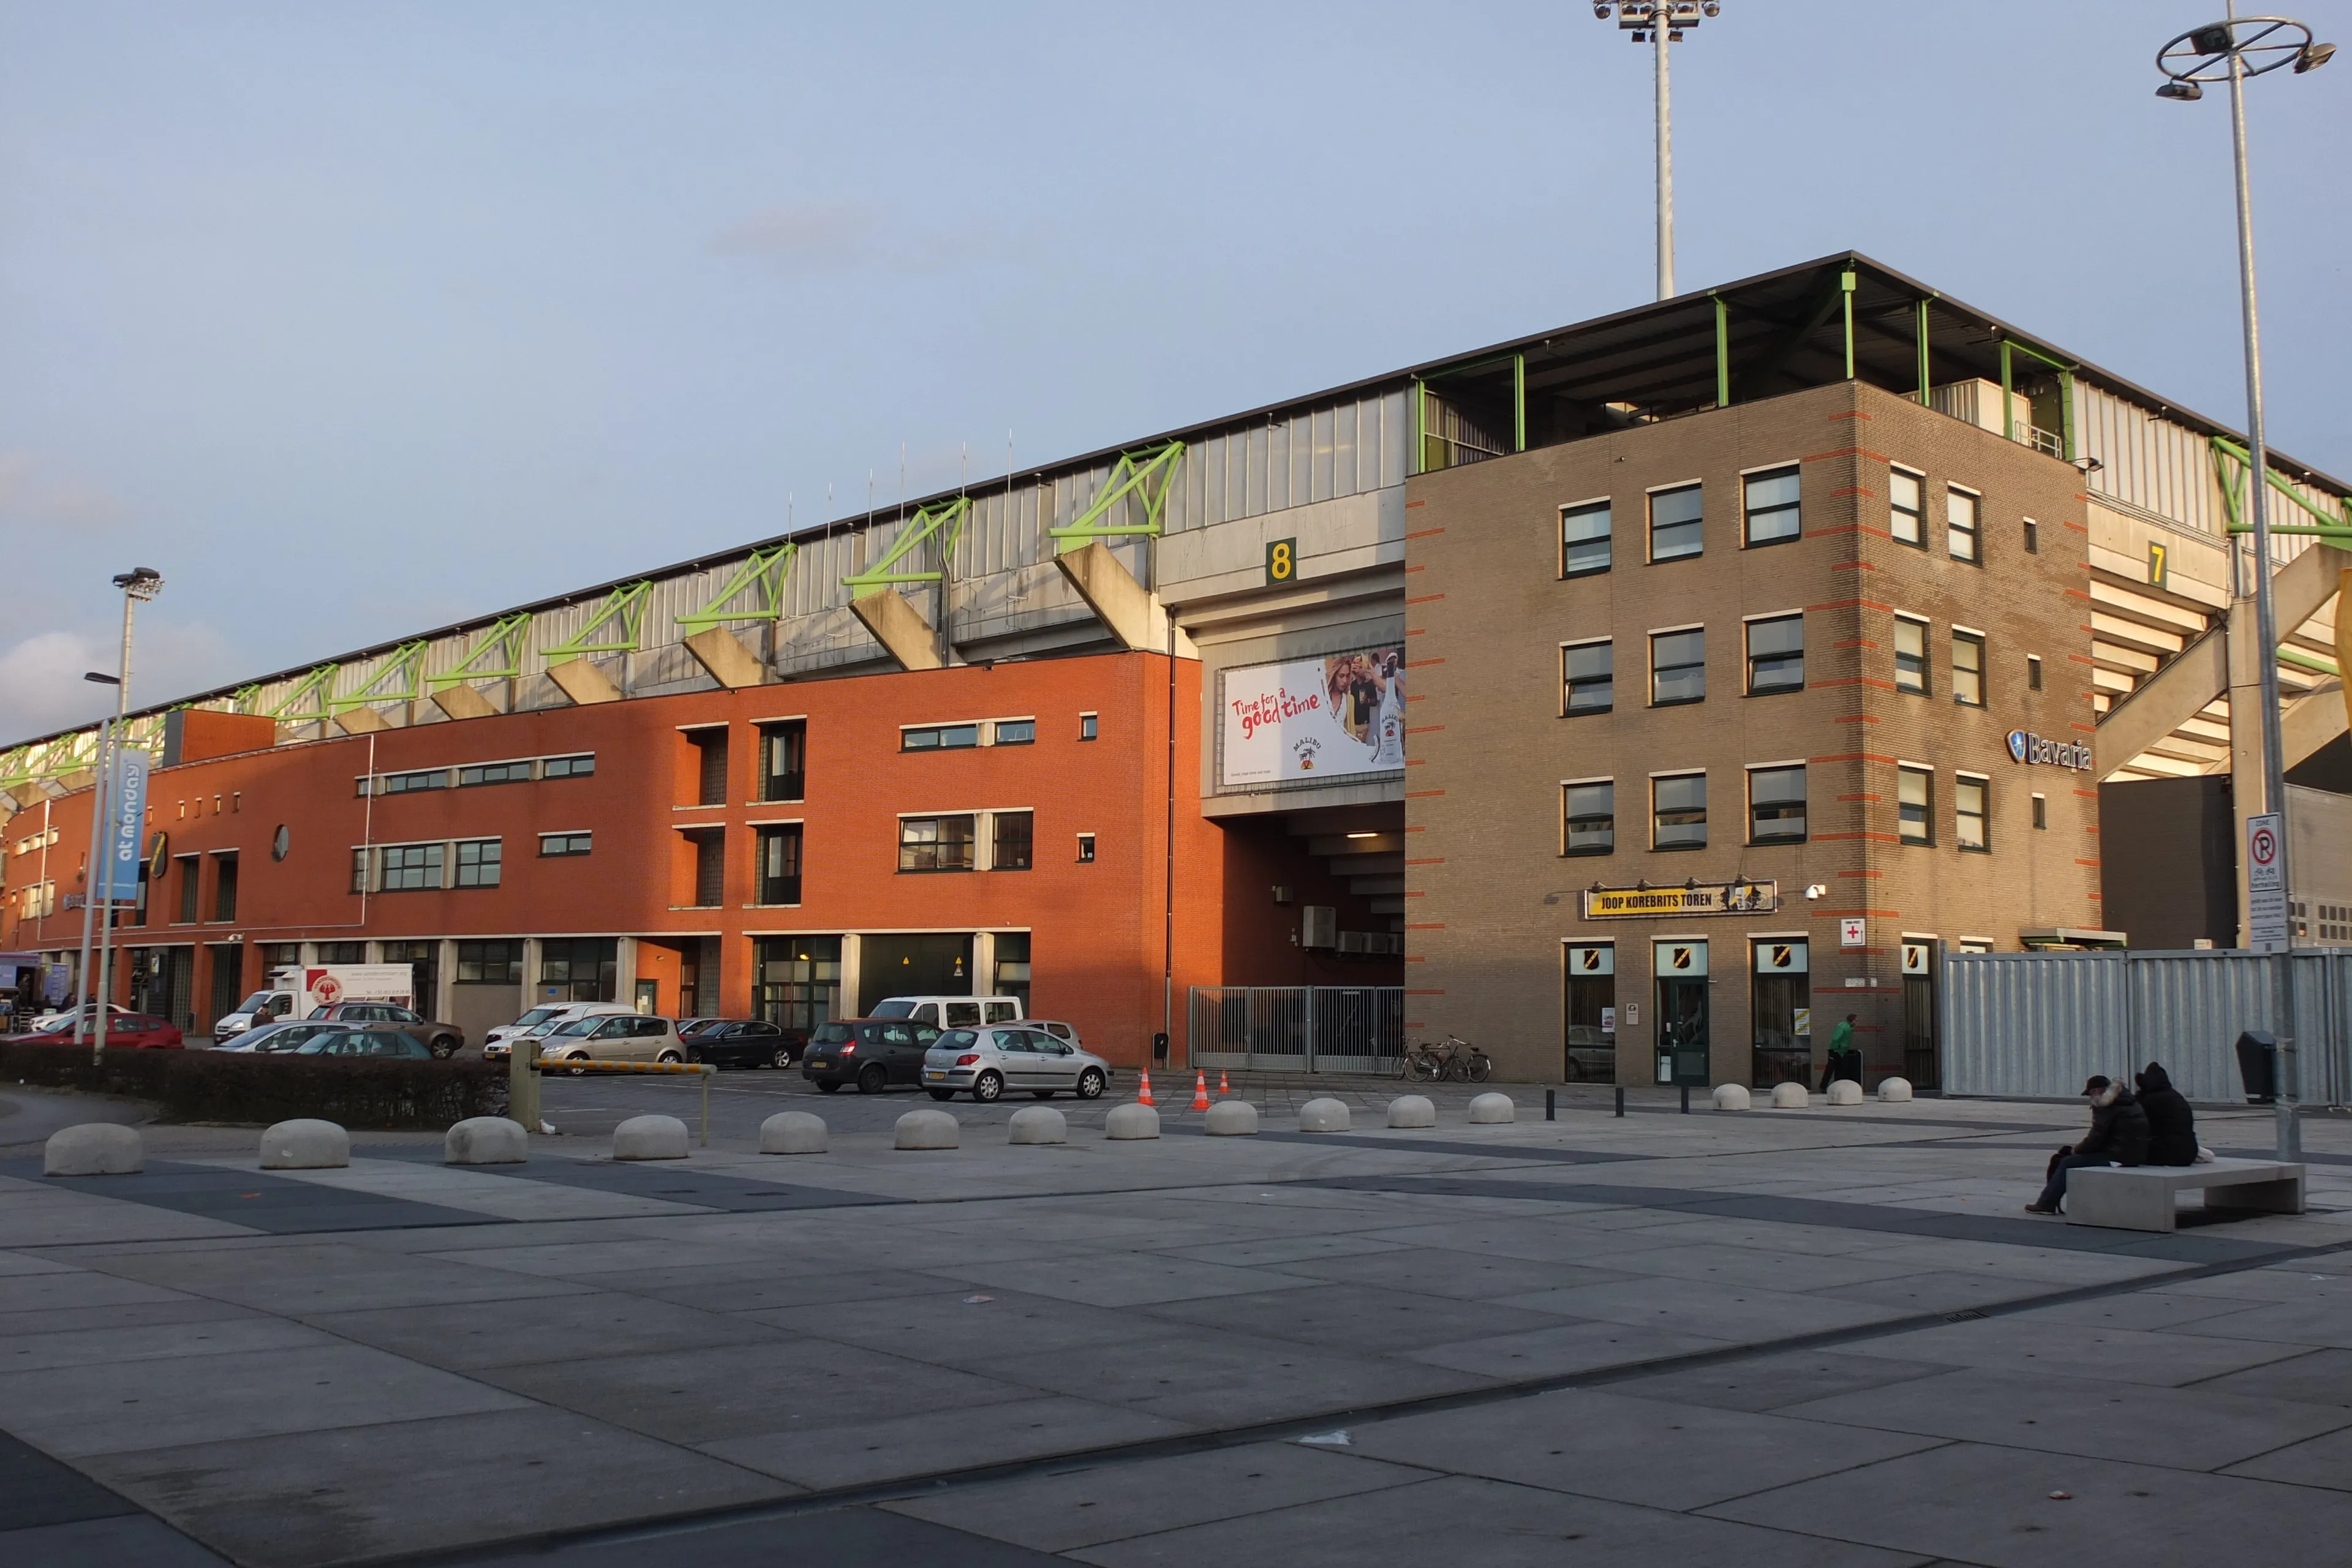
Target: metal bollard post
1620 1100
1686 1100
1550 1110
522 1084
709 1072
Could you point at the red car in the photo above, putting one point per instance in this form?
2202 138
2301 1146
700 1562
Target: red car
124 1031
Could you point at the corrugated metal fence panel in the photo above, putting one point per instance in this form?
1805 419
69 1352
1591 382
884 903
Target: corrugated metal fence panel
2030 1023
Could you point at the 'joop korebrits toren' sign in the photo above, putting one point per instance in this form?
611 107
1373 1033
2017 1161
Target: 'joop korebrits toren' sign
2025 746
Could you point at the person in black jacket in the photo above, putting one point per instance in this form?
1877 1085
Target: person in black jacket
2119 1136
2171 1125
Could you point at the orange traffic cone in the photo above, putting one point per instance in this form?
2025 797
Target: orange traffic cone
1199 1091
1143 1095
1223 1087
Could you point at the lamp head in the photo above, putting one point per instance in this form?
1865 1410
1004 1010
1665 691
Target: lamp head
2183 91
140 581
2212 40
2312 57
101 678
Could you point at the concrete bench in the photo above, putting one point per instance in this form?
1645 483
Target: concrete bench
2141 1197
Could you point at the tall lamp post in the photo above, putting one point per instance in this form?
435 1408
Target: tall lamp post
1659 23
139 585
2231 51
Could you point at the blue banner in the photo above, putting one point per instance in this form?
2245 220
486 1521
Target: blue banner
119 874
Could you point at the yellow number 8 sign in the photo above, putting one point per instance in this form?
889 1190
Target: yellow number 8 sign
1281 561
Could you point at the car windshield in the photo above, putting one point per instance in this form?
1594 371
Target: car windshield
252 1003
536 1016
285 1037
580 1025
327 1042
830 1035
956 1040
897 1007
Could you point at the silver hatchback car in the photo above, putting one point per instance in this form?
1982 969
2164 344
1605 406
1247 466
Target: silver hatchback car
985 1063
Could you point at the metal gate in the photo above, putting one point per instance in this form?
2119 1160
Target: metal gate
1298 1028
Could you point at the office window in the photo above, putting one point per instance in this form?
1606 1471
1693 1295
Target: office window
1675 523
1771 508
1016 731
935 843
2040 812
1906 508
1776 806
1677 666
342 953
1583 538
359 870
1085 849
784 759
2033 537
1012 833
1589 817
409 783
1910 654
1586 684
940 738
710 764
779 848
2033 672
1914 799
1776 654
411 868
478 863
578 767
489 963
1678 811
1960 509
1087 727
191 878
493 773
555 845
225 888
1970 827
1967 668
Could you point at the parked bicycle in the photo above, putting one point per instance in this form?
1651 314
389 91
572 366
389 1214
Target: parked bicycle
1457 1060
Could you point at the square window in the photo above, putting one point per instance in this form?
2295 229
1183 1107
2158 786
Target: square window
779 849
1087 729
1970 826
1085 849
1014 834
1910 654
940 738
1583 539
1906 508
1961 509
1677 667
935 843
411 868
1914 799
555 844
1589 817
784 759
493 773
1968 670
1586 683
1771 510
478 863
1678 811
2033 537
1776 654
1776 806
1016 733
1675 530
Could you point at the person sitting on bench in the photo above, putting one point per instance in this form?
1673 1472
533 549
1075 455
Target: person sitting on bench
2119 1136
2171 1125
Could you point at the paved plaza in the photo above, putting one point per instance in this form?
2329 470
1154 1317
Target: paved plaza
1821 1337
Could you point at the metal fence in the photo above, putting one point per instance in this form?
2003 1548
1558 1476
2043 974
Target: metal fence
1298 1028
2038 1024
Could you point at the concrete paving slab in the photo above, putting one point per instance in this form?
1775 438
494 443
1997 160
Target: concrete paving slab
2324 1461
2025 1343
942 1441
76 1287
562 1259
1129 1279
37 1490
255 1199
202 1336
1770 1382
1280 1250
321 1277
138 1314
1210 1378
1742 1314
129 1541
1758 1265
68 1218
2323 1322
1936 1292
15 1263
740 1289
1571 1347
1363 1318
472 1335
2153 1308
969 1328
1456 1276
2318 1377
845 1536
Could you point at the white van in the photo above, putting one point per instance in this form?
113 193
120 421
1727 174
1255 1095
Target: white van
296 993
949 1012
542 1021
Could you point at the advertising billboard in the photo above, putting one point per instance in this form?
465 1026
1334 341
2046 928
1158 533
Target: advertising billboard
1311 719
118 878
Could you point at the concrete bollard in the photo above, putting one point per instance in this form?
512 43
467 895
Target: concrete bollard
1731 1097
650 1138
1488 1110
792 1132
928 1130
1411 1111
1789 1097
1844 1092
1231 1118
304 1144
93 1149
1325 1115
1132 1121
1894 1091
485 1141
1036 1124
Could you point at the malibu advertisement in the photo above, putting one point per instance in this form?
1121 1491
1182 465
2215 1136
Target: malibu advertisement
1309 720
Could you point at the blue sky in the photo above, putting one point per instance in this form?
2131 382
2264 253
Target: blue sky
355 319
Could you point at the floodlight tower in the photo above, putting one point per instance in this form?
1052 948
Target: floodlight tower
1659 23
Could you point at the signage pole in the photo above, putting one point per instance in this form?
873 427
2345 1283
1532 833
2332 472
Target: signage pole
83 979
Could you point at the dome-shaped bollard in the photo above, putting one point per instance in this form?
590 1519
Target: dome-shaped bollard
792 1132
1488 1110
1231 1118
1036 1124
1324 1115
1844 1092
93 1149
1131 1121
1894 1091
1411 1111
1731 1097
304 1144
1789 1097
927 1130
485 1141
650 1138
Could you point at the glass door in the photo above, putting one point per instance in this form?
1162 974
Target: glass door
1589 1051
1682 1033
1781 1012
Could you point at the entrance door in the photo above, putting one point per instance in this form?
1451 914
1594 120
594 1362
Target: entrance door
1681 971
1589 1051
1919 1053
1782 1012
914 964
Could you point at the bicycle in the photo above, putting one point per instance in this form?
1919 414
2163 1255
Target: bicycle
1459 1060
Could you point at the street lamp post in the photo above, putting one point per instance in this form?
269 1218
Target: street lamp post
139 585
2231 51
1659 23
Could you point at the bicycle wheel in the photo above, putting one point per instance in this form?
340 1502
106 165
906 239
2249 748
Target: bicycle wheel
1454 1069
1482 1068
1421 1067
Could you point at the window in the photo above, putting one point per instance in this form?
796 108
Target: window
1776 804
1776 654
1960 508
490 963
1586 686
935 843
1905 506
493 773
225 888
411 868
478 863
1915 795
2040 812
1967 668
1910 654
191 878
940 737
2033 537
1772 515
1678 811
2033 672
569 767
1677 666
779 850
709 866
784 759
1589 817
1087 727
408 784
554 844
359 870
1584 539
1012 845
1969 813
342 953
1675 523
1085 849
710 764
1016 731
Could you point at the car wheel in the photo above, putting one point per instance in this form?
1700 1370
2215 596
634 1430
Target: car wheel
872 1078
828 1088
942 1094
445 1047
671 1056
986 1088
784 1058
578 1056
1090 1084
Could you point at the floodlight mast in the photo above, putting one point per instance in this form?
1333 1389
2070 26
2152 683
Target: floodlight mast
1659 23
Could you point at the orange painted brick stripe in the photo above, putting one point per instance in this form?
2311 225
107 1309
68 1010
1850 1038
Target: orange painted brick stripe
1432 925
1421 795
1853 566
1416 569
2076 526
1425 599
1433 860
2087 862
1416 762
1845 452
1868 837
1858 719
1421 663
1414 631
2081 659
1855 642
1854 680
1861 873
1423 729
1849 914
1425 533
1411 894
1852 413
1411 504
1857 757
2086 728
1849 605
1855 490
2088 794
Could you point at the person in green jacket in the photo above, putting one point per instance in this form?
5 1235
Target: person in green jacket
1844 1060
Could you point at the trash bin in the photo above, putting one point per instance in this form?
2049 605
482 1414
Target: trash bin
2258 1066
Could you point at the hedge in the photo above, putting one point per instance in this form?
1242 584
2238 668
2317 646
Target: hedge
232 1086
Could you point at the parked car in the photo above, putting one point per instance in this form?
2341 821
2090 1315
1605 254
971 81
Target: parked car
443 1039
743 1043
124 1031
688 1028
627 1037
541 1022
985 1063
271 1039
1052 1026
950 1012
48 1021
872 1053
375 1040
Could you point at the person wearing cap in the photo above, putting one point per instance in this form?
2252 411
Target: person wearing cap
2119 1136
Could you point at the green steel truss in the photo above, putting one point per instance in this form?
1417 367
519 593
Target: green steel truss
2231 461
393 679
940 518
1148 473
318 687
765 572
504 639
2010 347
625 606
49 759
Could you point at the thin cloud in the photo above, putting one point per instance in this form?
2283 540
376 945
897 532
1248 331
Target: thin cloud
32 491
845 237
42 689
